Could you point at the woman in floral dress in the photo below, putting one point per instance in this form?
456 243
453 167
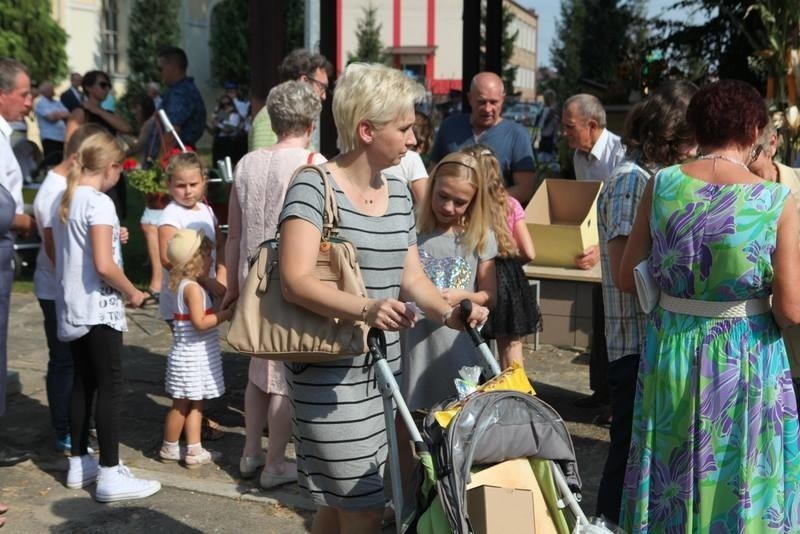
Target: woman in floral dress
715 430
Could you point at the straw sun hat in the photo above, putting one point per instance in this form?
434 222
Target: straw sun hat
183 245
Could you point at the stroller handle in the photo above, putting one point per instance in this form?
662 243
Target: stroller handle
466 309
477 339
376 343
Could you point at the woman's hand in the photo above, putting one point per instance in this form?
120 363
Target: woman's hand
123 235
231 295
477 316
389 314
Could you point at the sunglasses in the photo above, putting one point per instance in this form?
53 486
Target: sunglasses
103 85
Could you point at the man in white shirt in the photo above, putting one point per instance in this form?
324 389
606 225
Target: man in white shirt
15 103
597 152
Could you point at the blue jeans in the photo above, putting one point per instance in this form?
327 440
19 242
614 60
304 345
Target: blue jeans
59 371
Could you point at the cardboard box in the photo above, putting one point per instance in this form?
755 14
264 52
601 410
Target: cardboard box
494 510
506 499
562 219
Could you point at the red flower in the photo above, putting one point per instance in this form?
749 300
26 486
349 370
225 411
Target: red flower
166 157
129 164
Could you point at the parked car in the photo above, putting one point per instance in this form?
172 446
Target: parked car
524 113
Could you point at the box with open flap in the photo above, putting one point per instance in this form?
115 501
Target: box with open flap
506 499
562 220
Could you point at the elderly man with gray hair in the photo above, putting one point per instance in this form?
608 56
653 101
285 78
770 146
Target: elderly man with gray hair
15 103
597 152
260 183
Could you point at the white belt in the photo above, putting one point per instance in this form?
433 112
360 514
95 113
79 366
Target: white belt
710 308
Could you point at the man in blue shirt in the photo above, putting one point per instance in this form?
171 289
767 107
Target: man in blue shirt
510 142
50 116
182 101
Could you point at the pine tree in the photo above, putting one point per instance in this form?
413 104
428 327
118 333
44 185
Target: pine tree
368 32
29 34
153 26
509 71
565 50
229 41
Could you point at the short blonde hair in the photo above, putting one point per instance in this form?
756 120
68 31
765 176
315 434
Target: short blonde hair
370 92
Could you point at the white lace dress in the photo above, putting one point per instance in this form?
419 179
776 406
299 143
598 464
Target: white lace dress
261 179
194 363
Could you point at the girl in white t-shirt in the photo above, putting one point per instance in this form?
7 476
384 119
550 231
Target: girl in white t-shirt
91 315
194 363
187 185
47 288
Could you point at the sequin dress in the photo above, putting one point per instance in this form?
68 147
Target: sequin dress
715 432
433 353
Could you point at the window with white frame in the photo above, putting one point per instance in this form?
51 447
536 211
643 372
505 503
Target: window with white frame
109 36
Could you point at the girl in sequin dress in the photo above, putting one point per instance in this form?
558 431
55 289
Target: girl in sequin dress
457 249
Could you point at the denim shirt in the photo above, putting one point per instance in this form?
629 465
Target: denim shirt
186 110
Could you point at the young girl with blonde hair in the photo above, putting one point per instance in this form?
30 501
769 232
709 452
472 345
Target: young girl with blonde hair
515 313
457 248
91 316
194 363
188 209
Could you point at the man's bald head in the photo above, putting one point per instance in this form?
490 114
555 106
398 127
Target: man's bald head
486 97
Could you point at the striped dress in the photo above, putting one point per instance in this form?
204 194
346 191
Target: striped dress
339 431
194 363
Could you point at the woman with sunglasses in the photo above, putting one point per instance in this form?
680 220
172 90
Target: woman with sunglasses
96 86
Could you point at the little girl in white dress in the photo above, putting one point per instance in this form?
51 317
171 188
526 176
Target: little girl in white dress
194 363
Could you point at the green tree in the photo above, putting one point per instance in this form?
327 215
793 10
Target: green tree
566 48
295 30
229 41
29 34
599 42
153 26
368 32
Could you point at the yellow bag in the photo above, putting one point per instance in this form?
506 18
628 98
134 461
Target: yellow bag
513 378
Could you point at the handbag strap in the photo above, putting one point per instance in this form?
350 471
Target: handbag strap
330 211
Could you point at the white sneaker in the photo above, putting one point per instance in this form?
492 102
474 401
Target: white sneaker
82 471
118 484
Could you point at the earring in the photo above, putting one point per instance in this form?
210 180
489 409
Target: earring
754 153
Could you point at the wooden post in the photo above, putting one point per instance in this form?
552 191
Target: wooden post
470 48
266 25
494 37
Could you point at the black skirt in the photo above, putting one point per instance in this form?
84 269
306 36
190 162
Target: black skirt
516 312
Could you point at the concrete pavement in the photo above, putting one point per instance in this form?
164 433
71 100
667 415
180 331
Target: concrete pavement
212 498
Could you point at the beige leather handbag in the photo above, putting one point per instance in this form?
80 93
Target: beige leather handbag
266 326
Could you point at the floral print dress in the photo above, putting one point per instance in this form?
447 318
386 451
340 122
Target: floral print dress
715 431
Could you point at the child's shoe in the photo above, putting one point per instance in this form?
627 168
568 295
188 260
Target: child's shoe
195 457
117 483
248 465
170 453
82 471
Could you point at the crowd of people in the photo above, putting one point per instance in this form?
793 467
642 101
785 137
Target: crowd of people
703 416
